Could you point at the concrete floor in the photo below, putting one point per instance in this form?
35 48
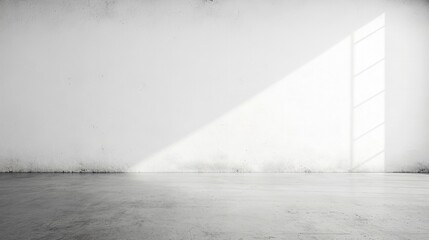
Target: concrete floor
214 206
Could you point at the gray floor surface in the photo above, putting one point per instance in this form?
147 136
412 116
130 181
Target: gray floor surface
214 206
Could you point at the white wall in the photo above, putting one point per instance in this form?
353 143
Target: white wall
407 89
210 86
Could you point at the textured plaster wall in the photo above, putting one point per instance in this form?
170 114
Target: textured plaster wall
204 85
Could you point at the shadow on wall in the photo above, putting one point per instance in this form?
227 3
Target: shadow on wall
368 97
199 86
326 116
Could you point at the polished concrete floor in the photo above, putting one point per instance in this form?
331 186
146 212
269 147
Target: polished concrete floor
214 206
